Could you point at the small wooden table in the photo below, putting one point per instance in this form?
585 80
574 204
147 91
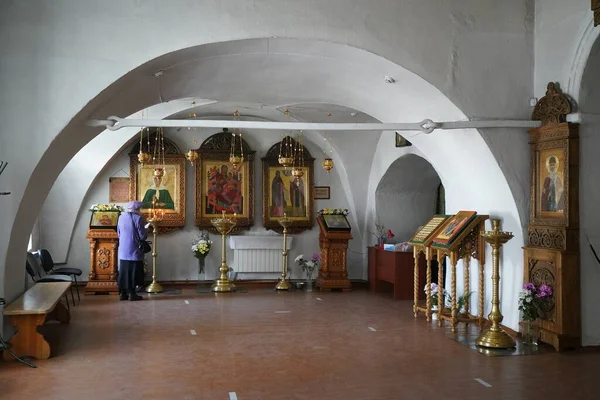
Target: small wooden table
37 305
395 267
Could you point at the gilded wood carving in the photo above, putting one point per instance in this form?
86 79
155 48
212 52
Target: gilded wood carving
553 107
221 188
285 194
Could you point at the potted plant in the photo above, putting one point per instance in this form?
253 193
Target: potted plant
434 291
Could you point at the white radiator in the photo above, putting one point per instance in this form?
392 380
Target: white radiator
257 253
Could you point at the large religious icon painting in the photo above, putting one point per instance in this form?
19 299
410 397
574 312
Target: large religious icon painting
224 189
160 186
288 194
550 183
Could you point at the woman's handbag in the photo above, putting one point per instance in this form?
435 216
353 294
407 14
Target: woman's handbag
143 245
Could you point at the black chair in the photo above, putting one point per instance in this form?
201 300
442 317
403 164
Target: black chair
48 265
33 269
7 346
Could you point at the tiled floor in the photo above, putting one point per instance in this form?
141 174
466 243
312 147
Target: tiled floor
267 345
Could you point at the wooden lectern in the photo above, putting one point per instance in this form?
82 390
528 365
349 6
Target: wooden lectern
334 233
104 245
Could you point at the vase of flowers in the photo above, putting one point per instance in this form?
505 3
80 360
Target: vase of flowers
201 248
382 234
308 267
531 299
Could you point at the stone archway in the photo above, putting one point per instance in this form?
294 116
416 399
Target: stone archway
466 164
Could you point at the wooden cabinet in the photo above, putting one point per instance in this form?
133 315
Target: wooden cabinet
102 278
397 268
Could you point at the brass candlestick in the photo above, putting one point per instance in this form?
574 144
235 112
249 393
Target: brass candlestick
154 287
224 225
284 283
495 337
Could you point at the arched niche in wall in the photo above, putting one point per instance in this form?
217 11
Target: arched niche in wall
407 195
222 188
170 188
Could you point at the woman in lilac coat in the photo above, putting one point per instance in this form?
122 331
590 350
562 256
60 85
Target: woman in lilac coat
131 257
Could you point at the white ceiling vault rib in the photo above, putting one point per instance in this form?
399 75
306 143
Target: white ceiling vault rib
427 126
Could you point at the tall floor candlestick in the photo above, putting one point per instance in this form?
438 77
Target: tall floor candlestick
224 225
284 283
496 337
154 287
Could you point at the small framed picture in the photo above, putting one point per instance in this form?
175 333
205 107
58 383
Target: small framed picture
322 193
401 141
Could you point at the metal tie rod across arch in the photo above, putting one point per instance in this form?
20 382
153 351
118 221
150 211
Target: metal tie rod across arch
425 126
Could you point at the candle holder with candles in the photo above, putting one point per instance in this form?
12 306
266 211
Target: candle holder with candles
156 215
224 225
284 283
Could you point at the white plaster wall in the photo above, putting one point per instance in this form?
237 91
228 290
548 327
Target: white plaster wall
58 56
406 196
560 55
176 262
589 197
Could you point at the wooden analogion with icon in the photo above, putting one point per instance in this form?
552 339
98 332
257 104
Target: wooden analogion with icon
104 243
421 243
459 238
551 256
334 234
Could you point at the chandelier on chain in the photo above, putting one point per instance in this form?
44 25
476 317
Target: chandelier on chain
192 154
327 163
159 172
298 164
236 155
143 157
286 148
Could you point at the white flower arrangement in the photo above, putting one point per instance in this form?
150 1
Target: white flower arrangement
106 207
333 211
201 247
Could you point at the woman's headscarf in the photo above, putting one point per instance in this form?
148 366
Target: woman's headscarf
134 206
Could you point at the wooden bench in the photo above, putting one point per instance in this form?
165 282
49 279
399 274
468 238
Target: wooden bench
37 305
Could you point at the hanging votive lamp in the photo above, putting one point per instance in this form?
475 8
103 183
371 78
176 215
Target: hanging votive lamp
144 157
298 169
327 164
192 155
236 155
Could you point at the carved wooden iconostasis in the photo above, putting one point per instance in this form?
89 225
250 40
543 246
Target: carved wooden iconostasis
551 256
220 187
169 189
284 193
